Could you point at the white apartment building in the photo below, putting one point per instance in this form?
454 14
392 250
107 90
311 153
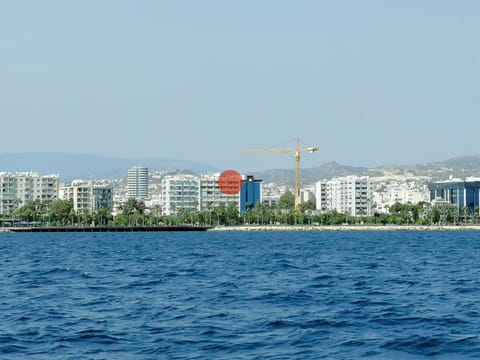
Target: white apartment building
347 195
87 197
137 182
179 192
194 193
16 189
211 196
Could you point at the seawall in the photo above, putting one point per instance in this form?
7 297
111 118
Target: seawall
346 228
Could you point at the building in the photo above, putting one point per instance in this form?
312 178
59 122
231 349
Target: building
196 193
211 196
16 189
307 196
102 197
250 193
179 192
465 194
271 193
137 182
387 193
87 197
347 195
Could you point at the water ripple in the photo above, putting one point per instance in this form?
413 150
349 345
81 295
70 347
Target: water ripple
385 295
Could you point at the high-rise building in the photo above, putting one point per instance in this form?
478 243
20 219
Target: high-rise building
250 193
179 192
347 195
137 182
16 189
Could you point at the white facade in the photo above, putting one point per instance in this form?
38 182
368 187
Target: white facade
87 197
179 192
137 182
211 196
16 189
347 195
193 193
307 196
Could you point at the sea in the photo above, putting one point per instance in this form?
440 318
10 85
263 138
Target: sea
240 295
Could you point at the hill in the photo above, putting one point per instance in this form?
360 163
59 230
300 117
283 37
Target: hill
471 162
84 166
325 171
81 166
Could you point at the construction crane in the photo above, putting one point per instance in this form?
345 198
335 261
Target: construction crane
296 150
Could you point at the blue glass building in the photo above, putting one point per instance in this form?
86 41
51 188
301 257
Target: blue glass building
250 193
461 193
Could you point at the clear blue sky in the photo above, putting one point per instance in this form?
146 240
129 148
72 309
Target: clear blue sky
370 82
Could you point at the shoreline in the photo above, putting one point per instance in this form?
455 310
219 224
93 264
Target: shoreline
48 229
254 228
273 228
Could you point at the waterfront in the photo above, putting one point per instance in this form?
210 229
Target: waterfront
244 228
241 295
283 228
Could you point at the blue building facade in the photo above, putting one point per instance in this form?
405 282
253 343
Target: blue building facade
460 193
250 193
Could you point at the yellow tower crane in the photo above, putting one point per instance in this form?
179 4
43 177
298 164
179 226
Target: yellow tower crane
296 150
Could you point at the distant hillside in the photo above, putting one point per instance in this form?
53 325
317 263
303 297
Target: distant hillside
84 166
81 166
308 175
459 167
471 162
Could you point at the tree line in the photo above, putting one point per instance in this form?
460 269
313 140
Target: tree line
135 213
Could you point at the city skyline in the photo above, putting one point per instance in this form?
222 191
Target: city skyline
370 83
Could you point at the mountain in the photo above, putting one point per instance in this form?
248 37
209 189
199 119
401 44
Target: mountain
308 175
471 162
81 166
84 166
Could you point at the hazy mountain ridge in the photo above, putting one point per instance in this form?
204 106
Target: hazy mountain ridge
78 166
470 162
308 175
84 166
459 167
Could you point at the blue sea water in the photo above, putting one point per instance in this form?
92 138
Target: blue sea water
264 295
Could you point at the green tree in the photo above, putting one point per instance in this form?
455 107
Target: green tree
60 212
434 215
133 206
102 216
309 205
408 213
287 201
232 214
28 212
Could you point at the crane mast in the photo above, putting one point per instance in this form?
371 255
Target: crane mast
297 176
296 151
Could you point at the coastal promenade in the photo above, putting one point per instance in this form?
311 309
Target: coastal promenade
346 228
245 228
44 229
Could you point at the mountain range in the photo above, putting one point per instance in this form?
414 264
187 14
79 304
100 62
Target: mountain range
85 166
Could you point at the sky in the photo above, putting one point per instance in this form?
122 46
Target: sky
369 82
